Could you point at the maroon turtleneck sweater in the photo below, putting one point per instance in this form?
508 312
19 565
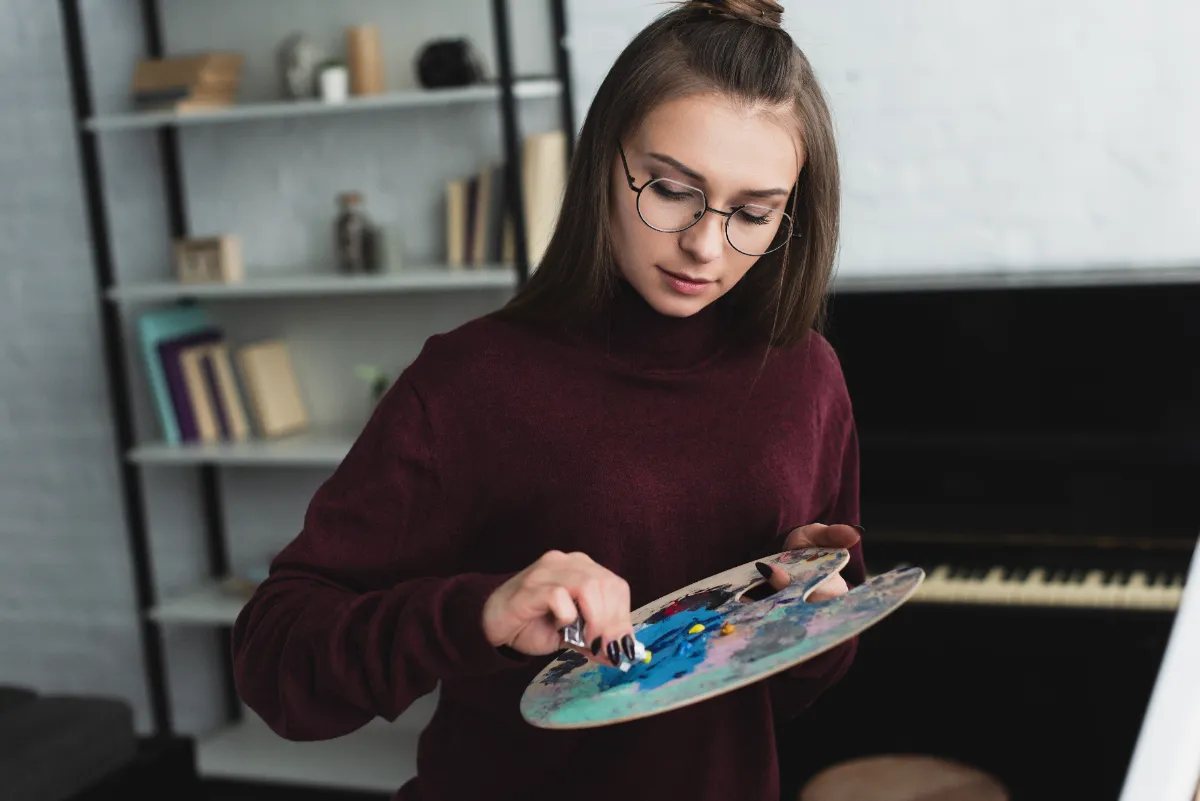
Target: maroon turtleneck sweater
656 445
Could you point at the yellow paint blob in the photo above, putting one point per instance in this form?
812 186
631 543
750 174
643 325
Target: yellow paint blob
727 629
696 629
646 658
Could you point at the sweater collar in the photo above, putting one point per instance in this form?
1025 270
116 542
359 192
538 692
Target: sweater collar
634 333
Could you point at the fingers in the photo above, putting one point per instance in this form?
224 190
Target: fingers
575 585
562 606
599 619
778 578
831 587
775 575
819 535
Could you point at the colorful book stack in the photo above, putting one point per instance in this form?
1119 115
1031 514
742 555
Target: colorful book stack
187 83
478 227
198 394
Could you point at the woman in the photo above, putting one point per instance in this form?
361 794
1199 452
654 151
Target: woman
652 408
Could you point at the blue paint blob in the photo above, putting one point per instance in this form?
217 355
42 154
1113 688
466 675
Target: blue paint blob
674 652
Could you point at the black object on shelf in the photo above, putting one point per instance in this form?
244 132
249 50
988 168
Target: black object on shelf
444 63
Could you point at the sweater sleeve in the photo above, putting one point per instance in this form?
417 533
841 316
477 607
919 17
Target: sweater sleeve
364 611
792 691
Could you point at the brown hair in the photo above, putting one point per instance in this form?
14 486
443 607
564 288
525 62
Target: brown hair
737 48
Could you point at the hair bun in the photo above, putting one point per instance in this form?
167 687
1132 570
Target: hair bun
761 12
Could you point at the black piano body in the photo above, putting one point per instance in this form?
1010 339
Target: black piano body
1036 448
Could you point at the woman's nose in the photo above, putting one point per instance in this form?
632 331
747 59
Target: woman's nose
705 241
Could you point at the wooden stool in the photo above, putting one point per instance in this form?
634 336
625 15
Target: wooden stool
902 777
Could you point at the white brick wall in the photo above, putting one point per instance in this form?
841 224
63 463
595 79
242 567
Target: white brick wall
984 134
972 134
66 600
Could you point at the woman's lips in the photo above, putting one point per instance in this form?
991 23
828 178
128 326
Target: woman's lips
685 284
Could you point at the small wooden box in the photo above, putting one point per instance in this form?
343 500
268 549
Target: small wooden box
209 260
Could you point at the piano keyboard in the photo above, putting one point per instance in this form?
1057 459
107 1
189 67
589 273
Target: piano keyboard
1097 589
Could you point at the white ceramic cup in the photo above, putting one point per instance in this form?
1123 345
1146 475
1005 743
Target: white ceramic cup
335 84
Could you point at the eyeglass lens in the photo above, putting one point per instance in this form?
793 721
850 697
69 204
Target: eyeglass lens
670 206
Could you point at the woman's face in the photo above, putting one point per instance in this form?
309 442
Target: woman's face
735 156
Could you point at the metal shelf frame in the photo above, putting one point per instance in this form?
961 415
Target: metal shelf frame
109 301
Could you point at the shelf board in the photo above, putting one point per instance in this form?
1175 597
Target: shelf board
411 279
315 448
379 757
209 605
291 109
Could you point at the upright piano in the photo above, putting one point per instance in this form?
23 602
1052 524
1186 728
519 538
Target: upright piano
1036 449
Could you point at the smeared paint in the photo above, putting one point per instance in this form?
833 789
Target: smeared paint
679 651
568 661
770 638
741 642
705 599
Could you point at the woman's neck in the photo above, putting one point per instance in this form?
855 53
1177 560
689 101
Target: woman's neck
634 333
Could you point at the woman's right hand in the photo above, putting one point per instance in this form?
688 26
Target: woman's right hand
527 612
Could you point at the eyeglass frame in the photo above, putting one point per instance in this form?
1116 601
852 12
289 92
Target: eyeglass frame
728 215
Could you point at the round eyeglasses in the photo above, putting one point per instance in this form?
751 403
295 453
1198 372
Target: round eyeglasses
670 206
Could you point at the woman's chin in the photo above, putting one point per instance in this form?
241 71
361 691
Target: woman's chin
671 300
672 304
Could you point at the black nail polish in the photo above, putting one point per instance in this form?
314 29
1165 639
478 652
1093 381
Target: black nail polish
763 568
614 653
627 646
858 528
596 643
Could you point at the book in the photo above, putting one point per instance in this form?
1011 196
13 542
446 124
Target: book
216 71
270 381
169 352
228 393
198 393
481 221
456 222
184 83
213 391
543 181
155 327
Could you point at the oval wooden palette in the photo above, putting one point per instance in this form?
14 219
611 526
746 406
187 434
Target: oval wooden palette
705 640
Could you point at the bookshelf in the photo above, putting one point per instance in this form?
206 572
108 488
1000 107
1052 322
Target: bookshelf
409 279
298 109
312 448
207 605
377 758
380 757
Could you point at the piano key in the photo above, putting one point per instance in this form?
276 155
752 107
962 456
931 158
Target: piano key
1137 591
996 589
1174 591
1035 589
934 586
1091 590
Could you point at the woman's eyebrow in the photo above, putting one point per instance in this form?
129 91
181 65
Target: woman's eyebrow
695 176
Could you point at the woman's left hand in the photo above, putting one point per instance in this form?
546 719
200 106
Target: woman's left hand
816 535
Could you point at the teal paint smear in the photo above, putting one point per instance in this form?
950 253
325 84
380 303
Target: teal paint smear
782 629
673 652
